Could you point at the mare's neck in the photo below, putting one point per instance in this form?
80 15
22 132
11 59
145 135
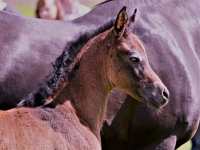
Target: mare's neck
89 88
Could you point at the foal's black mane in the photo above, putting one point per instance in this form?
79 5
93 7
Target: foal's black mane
62 71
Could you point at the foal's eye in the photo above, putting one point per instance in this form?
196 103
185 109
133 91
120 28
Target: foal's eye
135 58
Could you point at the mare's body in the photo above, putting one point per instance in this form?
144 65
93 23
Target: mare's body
170 32
28 47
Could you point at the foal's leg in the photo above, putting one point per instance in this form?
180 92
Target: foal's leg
168 144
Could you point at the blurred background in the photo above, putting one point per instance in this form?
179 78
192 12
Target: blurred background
27 8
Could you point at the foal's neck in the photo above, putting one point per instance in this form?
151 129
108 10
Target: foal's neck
89 88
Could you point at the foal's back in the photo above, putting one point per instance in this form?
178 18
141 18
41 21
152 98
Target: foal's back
45 129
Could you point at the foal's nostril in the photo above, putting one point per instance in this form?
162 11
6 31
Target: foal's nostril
165 94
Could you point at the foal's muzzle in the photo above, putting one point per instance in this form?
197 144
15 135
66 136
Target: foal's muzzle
155 94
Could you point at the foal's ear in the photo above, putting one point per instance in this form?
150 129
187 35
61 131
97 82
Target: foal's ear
121 22
132 19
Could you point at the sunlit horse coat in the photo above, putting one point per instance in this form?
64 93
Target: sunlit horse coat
170 30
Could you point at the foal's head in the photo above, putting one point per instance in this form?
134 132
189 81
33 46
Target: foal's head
128 67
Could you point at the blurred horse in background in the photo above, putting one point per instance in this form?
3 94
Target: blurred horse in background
3 5
60 9
6 7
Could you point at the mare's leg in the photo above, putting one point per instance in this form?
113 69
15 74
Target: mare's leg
12 10
196 141
7 8
166 144
3 5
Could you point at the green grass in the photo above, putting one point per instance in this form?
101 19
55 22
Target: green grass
186 146
26 10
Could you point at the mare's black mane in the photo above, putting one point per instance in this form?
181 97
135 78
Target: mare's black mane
61 72
106 1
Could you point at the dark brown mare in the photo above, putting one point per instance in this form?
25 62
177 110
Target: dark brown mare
60 9
115 58
170 31
28 47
